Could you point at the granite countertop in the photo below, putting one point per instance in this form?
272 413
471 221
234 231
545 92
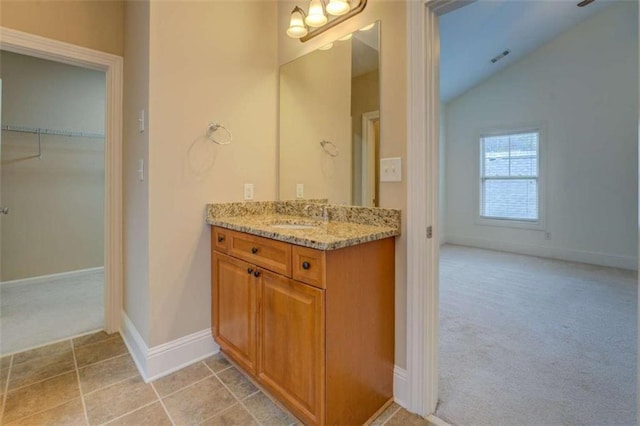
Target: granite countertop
334 226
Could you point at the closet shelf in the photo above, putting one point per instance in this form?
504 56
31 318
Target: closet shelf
44 131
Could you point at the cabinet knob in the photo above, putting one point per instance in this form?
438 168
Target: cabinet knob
256 274
220 238
306 265
254 250
249 270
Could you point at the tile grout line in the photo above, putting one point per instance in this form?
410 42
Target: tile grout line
391 416
75 363
128 412
164 407
41 380
104 360
6 388
52 407
113 384
184 387
233 394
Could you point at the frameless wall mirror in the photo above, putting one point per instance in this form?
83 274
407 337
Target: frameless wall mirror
330 121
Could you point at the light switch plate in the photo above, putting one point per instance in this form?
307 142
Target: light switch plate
299 190
391 169
248 191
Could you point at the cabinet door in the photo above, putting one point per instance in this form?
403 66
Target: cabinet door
234 309
291 361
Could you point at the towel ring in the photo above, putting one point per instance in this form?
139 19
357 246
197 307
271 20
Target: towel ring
212 128
330 148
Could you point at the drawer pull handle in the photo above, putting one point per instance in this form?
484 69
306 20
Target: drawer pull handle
306 265
254 250
256 274
220 238
249 270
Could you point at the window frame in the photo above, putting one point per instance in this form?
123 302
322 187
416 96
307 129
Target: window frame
538 224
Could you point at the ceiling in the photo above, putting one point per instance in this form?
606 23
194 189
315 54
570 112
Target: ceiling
472 35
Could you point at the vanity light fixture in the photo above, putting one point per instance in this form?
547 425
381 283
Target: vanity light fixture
338 7
316 16
347 37
326 47
297 27
300 23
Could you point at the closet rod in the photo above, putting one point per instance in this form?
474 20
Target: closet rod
42 131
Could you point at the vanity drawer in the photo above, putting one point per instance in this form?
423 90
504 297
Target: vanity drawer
308 266
269 254
219 239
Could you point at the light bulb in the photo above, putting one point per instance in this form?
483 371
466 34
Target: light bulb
297 28
316 16
338 7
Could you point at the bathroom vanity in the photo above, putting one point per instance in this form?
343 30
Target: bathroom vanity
305 306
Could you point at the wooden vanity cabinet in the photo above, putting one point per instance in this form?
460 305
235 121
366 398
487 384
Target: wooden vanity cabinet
314 328
291 335
235 296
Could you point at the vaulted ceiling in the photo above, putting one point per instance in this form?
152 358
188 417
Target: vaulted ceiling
472 35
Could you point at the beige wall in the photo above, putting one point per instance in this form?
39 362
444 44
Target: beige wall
393 71
94 24
208 61
315 105
56 219
135 148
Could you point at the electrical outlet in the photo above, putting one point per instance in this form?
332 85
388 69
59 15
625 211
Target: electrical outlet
299 190
547 235
248 191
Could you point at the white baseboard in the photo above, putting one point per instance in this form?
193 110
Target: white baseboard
400 386
572 255
45 278
158 361
136 345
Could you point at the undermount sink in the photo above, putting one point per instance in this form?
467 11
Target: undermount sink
293 226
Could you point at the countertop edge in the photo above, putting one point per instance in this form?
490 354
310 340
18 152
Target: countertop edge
347 242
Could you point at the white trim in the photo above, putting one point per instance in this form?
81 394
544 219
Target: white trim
45 278
400 386
436 421
172 356
158 361
136 345
54 50
422 208
571 255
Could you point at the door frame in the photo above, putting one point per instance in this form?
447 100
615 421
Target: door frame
58 51
423 112
368 157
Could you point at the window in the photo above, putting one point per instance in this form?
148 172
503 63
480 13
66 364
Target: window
509 169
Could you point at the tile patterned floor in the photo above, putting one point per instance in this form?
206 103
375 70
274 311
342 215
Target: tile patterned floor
92 380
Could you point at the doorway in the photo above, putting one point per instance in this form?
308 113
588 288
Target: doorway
423 167
44 48
52 247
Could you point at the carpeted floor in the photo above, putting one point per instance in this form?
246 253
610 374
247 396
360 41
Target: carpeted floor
531 341
35 314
